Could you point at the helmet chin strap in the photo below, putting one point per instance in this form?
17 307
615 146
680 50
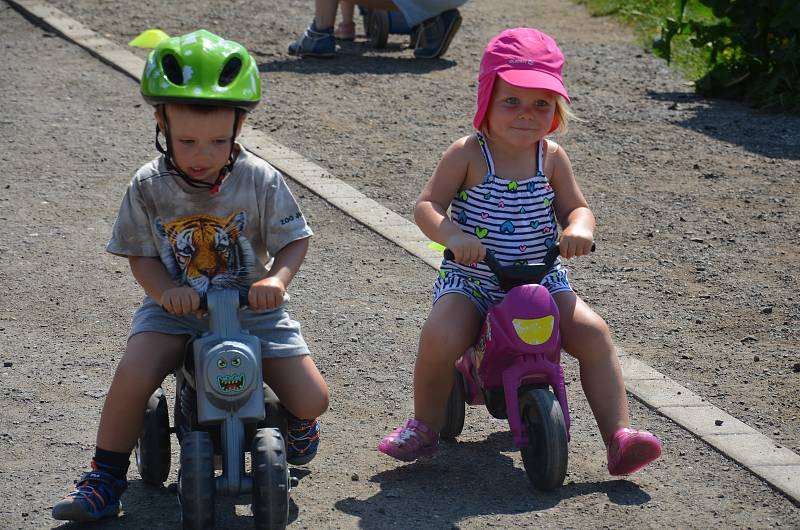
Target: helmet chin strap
172 166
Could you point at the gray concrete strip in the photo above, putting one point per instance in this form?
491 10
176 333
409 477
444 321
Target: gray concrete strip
774 463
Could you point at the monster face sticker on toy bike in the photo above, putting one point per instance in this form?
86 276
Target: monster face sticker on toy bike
202 251
230 369
230 383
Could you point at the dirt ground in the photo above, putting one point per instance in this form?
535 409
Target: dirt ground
696 270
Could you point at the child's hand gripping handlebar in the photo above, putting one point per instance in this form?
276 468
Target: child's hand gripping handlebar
510 276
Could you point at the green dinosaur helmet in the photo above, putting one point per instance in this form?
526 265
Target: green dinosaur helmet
201 68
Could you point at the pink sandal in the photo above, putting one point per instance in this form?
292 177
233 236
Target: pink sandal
630 450
407 443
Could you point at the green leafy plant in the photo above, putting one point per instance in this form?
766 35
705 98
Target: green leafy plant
751 49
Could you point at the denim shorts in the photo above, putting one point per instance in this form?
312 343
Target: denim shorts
280 335
415 11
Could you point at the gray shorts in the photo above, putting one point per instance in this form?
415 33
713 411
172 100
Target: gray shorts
280 335
415 11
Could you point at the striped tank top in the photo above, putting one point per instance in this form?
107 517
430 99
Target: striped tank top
514 219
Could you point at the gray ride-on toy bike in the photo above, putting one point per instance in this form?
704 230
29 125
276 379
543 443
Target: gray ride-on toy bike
222 409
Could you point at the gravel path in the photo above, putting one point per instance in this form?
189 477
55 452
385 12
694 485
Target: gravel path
696 271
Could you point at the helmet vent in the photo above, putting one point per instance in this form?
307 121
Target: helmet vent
230 71
172 69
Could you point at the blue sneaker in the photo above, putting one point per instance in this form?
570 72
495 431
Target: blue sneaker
314 43
96 495
436 33
302 442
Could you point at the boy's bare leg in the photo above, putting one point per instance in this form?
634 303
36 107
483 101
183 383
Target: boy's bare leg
298 384
149 358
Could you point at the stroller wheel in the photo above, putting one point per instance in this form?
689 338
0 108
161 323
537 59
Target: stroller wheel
378 27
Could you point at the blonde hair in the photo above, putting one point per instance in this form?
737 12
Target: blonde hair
563 114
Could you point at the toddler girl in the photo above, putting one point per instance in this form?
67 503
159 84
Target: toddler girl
509 188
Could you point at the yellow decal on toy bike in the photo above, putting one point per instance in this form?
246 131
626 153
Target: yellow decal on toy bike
534 331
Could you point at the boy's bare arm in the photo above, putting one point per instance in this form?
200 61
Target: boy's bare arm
269 292
151 274
288 261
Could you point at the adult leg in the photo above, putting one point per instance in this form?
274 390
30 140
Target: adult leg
346 29
585 336
149 358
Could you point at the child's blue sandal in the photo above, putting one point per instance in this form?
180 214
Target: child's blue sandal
303 441
96 495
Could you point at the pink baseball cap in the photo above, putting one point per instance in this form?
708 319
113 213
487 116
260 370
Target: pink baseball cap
523 57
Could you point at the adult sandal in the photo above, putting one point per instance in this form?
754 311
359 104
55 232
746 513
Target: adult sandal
630 450
407 443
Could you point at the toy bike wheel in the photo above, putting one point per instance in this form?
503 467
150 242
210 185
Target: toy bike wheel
196 486
545 457
454 412
378 27
270 480
153 447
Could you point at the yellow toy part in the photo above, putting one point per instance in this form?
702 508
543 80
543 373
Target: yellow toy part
534 331
433 245
149 39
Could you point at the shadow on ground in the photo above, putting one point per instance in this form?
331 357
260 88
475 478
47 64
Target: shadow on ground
468 479
359 58
773 135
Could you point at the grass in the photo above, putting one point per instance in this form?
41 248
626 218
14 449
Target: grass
645 18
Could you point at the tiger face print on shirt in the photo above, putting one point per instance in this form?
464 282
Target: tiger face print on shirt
201 251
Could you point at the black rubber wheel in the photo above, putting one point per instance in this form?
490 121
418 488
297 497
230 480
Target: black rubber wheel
545 457
270 480
496 402
415 38
153 455
196 487
454 411
378 27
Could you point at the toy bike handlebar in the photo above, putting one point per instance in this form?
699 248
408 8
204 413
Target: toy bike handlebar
243 301
204 300
510 276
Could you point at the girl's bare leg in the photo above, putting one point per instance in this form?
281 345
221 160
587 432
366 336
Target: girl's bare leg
585 336
452 327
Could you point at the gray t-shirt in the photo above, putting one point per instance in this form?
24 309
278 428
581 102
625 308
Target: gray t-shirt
224 239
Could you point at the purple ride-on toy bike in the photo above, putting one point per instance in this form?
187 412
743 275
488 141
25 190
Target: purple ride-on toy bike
515 370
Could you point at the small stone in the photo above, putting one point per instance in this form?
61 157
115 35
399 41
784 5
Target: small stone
718 423
766 310
796 367
354 477
7 364
756 358
748 338
686 356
